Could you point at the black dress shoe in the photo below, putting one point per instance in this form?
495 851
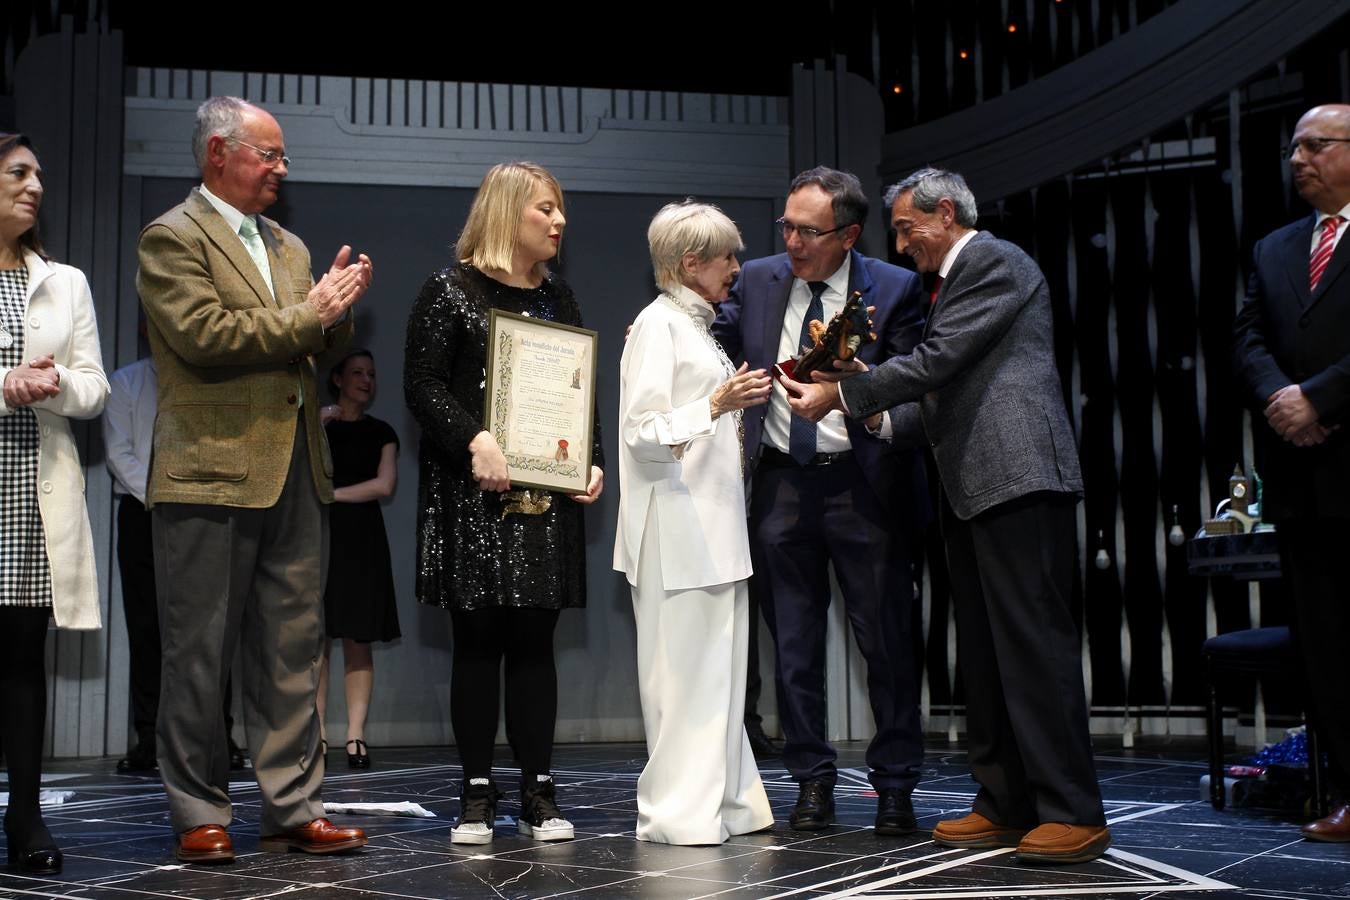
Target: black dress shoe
815 807
361 758
42 861
763 746
895 812
137 762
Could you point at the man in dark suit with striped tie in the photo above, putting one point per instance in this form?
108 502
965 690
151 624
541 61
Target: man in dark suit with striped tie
1292 353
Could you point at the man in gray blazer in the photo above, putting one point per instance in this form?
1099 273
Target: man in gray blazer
983 388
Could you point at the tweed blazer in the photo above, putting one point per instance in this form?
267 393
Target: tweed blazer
233 362
989 395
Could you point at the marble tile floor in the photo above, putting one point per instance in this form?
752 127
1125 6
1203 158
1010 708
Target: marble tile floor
1168 842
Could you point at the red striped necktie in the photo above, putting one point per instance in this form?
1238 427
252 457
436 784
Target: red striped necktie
1322 255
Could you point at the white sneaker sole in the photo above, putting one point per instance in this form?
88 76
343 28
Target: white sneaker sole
546 832
465 836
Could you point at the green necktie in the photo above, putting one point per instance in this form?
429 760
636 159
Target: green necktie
248 230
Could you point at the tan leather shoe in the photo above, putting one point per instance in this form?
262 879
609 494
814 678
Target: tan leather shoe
319 836
1057 843
1334 829
975 832
204 844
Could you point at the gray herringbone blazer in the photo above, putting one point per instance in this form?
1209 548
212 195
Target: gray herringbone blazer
989 395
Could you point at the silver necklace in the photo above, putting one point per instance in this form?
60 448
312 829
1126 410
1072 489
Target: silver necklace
701 326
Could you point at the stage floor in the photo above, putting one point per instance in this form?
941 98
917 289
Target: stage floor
1167 841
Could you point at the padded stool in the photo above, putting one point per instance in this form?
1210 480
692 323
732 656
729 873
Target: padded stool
1255 651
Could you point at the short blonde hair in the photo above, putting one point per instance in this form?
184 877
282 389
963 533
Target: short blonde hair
688 227
489 237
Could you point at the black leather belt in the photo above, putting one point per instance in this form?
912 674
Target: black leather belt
772 456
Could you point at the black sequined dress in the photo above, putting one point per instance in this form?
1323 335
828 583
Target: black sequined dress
468 556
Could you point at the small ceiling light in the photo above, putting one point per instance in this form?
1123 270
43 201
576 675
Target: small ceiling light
965 54
897 89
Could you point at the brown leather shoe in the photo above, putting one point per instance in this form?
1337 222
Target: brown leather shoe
975 832
204 844
1334 829
319 836
1056 843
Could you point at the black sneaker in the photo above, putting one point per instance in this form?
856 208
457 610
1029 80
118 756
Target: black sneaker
477 812
895 812
540 817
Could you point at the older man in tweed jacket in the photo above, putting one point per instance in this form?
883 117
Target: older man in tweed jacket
238 477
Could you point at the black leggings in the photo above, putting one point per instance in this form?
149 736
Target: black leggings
525 638
23 720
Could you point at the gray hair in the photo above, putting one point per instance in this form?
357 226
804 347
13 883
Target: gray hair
218 116
929 185
846 194
688 227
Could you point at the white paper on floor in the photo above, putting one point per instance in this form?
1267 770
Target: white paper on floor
45 798
403 808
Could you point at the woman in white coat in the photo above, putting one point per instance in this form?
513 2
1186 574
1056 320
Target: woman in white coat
52 370
682 540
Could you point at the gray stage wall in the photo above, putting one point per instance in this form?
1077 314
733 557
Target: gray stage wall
408 229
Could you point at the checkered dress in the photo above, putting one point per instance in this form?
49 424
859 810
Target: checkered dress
25 576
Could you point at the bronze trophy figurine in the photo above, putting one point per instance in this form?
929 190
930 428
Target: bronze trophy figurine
850 329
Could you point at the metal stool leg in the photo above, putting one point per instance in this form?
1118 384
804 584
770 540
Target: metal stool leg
1216 794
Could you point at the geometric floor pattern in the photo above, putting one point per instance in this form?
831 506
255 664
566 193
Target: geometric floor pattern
1167 841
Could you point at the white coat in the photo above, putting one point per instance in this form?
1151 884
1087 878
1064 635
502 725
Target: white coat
59 319
674 455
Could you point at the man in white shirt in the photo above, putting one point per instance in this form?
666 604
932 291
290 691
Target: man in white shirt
128 430
983 388
128 433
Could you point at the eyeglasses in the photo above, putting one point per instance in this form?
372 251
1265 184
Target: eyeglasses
1313 145
269 157
805 232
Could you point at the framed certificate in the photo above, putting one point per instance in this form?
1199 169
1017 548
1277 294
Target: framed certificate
539 401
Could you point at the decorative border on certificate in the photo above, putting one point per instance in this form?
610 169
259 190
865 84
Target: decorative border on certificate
540 400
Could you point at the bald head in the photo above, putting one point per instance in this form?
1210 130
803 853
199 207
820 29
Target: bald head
1320 161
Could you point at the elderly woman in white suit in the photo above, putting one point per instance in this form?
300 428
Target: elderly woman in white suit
682 540
51 371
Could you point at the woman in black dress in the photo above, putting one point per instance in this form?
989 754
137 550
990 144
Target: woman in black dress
359 602
504 568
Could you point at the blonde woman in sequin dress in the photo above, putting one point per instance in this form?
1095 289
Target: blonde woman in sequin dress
52 371
502 564
682 538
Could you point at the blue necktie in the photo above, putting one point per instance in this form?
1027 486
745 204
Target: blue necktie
802 433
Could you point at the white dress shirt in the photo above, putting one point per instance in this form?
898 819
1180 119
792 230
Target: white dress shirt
129 426
1340 229
831 435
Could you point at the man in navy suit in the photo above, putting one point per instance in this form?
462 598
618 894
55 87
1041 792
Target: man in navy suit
1292 349
832 493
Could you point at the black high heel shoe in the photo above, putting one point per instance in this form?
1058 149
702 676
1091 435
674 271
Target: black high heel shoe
39 861
361 758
